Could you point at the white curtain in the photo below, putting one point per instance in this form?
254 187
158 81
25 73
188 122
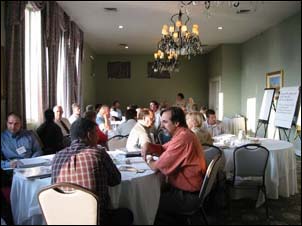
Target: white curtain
33 71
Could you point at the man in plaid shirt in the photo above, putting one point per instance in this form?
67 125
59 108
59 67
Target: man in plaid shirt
85 164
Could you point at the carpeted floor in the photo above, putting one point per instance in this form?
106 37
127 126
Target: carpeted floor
283 211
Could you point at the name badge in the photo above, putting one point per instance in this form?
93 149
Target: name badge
21 150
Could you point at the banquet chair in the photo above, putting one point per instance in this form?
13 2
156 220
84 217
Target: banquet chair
206 188
250 163
68 204
210 152
116 142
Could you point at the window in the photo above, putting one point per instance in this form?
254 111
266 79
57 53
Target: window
33 68
118 70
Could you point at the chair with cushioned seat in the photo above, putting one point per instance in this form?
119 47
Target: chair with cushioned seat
69 204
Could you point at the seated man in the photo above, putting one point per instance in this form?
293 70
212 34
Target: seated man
182 161
180 101
103 118
115 111
63 123
212 125
125 128
50 134
83 163
76 113
17 143
154 106
140 134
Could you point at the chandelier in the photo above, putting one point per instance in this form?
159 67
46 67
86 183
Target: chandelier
176 41
165 62
207 4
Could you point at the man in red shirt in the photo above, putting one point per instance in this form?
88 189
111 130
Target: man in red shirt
183 163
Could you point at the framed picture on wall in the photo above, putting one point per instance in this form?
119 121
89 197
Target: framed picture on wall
275 80
157 75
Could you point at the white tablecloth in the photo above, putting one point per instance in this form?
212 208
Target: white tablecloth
281 173
140 192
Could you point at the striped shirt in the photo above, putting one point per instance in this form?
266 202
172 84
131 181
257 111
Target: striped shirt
89 167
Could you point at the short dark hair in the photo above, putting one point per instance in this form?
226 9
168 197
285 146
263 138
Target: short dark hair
91 115
49 115
181 95
177 115
80 128
210 112
155 103
115 102
130 114
14 114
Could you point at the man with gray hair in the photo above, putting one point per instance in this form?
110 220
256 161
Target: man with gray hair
63 123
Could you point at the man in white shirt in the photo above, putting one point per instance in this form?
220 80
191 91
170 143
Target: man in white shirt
154 106
212 125
63 123
76 113
125 128
140 134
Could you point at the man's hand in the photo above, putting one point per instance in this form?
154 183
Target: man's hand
151 164
13 163
145 151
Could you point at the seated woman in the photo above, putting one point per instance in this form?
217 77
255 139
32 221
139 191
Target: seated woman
103 138
194 121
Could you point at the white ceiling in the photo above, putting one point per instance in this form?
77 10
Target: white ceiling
143 21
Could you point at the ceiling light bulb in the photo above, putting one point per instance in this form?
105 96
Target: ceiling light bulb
120 26
126 47
219 28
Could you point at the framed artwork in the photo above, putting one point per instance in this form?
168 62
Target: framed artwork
275 80
119 70
157 75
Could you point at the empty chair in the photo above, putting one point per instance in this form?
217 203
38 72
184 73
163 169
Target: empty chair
117 142
206 188
75 205
250 163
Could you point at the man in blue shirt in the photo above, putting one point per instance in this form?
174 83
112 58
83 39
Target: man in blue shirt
17 143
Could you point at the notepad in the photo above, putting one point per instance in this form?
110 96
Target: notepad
31 162
35 172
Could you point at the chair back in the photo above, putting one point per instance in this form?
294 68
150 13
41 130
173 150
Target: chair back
68 204
210 152
250 160
117 142
210 177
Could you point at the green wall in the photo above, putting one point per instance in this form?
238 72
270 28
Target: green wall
214 66
89 86
231 79
275 49
192 80
224 62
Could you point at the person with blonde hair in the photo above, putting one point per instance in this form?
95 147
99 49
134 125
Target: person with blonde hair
194 121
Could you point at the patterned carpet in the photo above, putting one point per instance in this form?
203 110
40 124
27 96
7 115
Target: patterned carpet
283 211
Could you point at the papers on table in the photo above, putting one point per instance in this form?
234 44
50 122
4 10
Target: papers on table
31 162
131 169
34 172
